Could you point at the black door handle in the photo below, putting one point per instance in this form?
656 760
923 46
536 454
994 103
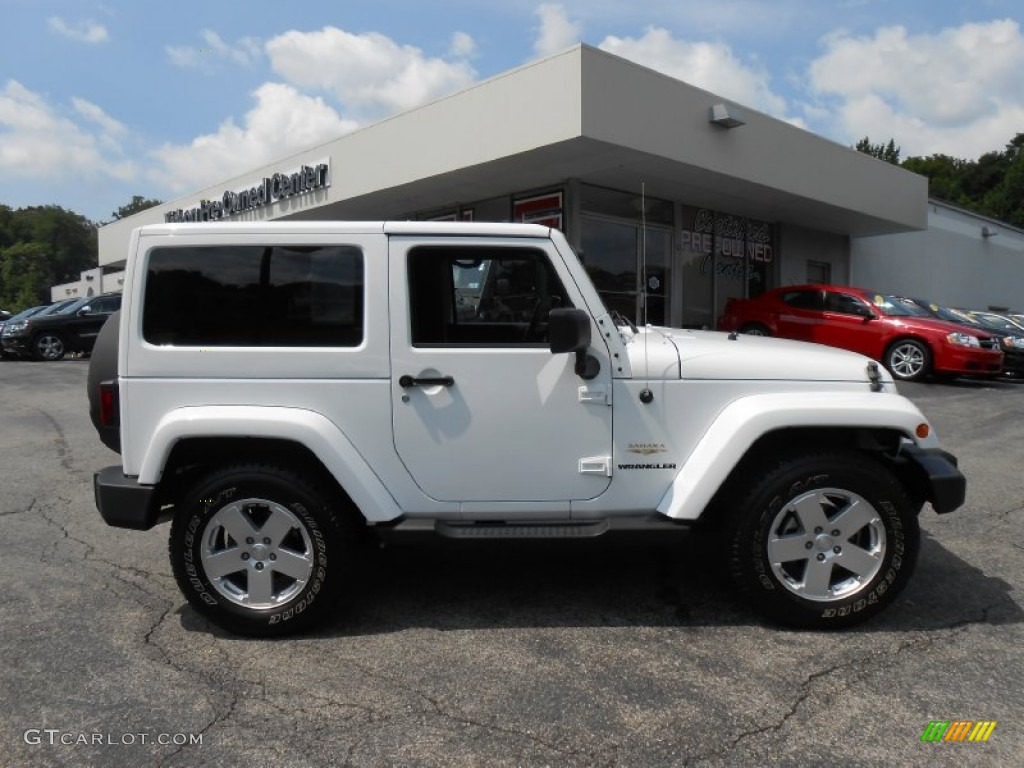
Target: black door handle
407 381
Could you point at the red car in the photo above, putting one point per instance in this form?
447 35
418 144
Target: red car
904 338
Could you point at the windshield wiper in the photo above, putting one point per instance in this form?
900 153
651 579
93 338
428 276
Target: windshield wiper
621 319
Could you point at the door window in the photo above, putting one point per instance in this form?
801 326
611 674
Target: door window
810 300
481 296
845 304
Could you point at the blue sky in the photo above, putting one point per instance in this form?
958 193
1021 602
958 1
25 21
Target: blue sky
100 101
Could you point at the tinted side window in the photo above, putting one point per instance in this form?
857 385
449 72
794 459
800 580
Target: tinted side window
481 296
106 305
803 299
845 304
255 296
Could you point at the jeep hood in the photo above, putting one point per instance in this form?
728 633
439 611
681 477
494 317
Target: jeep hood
713 355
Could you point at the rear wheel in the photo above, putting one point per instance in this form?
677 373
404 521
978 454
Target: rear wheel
908 360
823 541
755 329
259 550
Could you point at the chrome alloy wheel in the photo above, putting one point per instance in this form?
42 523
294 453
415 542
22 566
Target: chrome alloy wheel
256 553
50 347
826 545
907 360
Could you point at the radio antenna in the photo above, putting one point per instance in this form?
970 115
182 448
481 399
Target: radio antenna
646 395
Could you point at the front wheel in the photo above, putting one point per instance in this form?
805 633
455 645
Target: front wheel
49 346
259 550
908 360
755 329
823 541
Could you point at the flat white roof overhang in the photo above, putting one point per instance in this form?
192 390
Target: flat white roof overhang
589 116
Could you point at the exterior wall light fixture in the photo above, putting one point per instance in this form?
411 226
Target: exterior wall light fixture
726 116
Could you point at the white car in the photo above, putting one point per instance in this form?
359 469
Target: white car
275 389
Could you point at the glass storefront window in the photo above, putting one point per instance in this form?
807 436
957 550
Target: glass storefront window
612 255
609 254
722 257
625 205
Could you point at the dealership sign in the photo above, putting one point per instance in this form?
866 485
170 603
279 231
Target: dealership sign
280 186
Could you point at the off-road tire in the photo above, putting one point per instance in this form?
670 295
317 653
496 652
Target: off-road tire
319 531
766 530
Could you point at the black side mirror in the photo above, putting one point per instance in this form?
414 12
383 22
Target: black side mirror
569 331
86 310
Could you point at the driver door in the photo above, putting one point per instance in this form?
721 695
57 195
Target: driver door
482 410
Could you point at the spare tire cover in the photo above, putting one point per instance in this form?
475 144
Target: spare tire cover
103 367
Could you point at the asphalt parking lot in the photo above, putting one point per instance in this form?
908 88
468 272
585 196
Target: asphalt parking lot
617 652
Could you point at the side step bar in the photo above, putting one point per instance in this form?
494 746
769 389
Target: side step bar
532 529
566 530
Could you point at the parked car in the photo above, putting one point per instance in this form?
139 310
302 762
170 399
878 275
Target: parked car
4 317
12 322
905 338
15 324
995 320
1009 334
71 328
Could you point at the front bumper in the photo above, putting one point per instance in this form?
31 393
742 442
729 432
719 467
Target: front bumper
16 345
968 360
1013 361
935 476
122 502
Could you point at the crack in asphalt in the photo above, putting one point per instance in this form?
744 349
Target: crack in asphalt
218 719
89 555
437 707
27 509
1003 518
209 682
923 641
60 443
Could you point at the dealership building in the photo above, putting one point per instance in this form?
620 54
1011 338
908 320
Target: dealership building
670 194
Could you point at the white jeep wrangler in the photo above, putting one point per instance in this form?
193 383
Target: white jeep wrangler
275 389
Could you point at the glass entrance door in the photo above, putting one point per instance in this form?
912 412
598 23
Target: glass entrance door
612 253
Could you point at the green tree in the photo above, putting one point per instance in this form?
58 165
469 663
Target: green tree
1006 200
138 203
944 174
40 246
6 234
890 153
25 276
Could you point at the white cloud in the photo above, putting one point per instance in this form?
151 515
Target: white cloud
283 121
369 73
87 31
90 111
956 91
36 141
246 51
556 32
462 46
711 66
